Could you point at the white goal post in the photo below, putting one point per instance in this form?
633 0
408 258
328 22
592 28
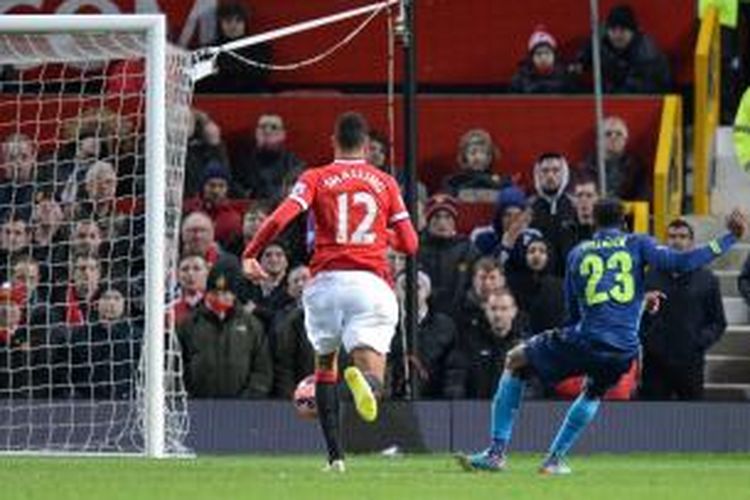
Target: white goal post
161 128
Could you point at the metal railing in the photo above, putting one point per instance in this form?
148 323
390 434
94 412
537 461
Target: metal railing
668 166
707 108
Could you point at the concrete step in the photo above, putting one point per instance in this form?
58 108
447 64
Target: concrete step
734 342
723 369
728 282
736 311
726 392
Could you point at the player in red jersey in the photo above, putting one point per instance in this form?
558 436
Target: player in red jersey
358 213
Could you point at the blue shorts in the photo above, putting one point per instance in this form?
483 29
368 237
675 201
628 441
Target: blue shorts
554 356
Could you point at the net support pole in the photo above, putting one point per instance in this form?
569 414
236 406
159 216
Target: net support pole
299 27
410 164
155 231
596 58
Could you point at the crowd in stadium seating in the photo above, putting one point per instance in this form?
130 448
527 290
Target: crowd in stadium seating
73 245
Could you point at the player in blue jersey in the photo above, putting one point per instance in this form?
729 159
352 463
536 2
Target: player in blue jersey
604 287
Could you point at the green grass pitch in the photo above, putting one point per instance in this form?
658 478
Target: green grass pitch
609 477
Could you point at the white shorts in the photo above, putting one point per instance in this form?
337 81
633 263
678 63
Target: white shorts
353 308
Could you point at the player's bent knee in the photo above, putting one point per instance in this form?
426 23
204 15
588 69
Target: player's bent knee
515 360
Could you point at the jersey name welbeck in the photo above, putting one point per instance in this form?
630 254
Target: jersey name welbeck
616 242
334 180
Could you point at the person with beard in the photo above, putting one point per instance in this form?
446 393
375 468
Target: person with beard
214 201
224 347
509 234
445 255
631 61
476 155
105 352
552 209
437 365
627 177
235 76
541 71
268 169
539 293
484 348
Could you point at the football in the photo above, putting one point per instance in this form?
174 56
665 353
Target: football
304 398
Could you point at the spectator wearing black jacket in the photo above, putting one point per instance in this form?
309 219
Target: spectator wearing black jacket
552 209
487 277
266 298
585 196
484 348
631 61
743 282
690 320
293 355
205 145
445 255
627 177
542 71
267 169
236 76
538 292
436 365
105 352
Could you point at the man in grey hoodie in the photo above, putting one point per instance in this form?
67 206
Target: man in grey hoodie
553 210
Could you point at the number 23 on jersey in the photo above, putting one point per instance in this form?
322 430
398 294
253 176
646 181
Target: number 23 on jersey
594 267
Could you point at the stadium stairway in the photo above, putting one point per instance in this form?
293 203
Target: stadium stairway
727 373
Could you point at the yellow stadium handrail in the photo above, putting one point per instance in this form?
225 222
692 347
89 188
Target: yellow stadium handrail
706 106
639 211
668 166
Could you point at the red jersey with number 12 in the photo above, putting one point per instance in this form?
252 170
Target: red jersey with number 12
353 204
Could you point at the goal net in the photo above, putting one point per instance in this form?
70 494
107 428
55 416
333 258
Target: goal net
94 119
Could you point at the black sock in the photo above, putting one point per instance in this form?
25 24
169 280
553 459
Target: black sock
327 401
375 385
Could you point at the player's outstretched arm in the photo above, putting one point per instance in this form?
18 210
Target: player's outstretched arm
272 227
666 259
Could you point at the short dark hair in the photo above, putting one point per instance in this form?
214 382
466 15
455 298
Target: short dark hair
609 212
550 155
486 264
582 179
680 223
351 131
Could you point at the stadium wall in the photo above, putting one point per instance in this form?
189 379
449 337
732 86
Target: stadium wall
273 427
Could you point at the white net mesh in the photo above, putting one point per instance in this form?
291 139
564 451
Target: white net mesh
72 256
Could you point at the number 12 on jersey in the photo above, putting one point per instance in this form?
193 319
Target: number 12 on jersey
362 235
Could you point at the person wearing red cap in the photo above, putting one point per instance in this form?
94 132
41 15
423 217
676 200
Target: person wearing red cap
445 255
542 71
